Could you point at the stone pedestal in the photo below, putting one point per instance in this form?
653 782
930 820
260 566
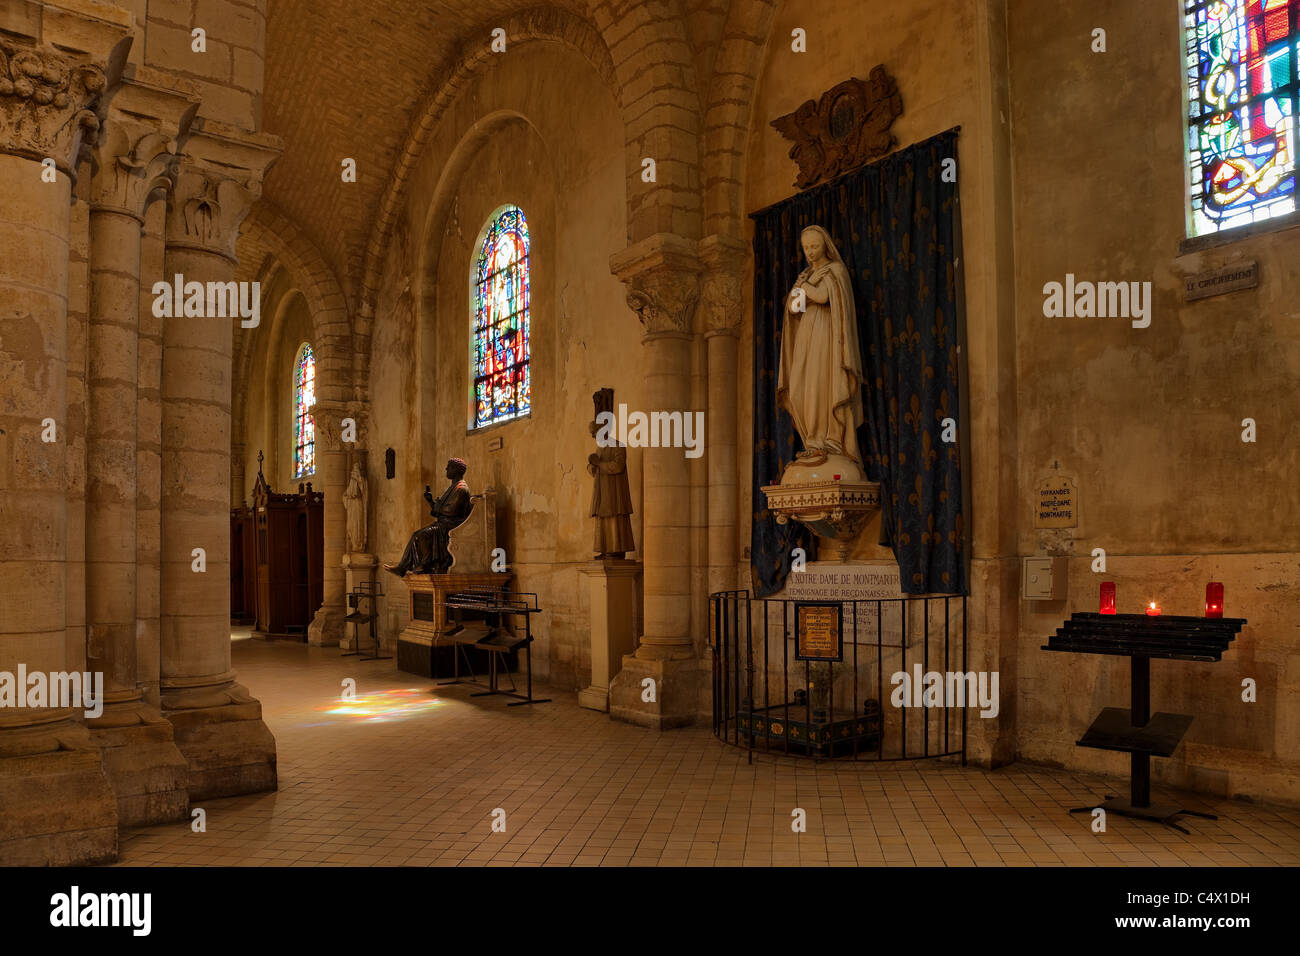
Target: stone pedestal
613 584
428 614
834 510
358 569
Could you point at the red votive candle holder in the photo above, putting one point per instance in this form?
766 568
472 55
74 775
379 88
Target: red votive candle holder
837 477
1153 609
1107 597
1214 599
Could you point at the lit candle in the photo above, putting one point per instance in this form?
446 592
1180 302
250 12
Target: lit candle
1153 609
1214 599
1107 597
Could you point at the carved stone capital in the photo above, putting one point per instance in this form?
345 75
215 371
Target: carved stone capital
328 417
219 178
51 102
662 275
138 155
723 297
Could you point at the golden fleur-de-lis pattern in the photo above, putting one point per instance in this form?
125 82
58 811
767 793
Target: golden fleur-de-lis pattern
897 225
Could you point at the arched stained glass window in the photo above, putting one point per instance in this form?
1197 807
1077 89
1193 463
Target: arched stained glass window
499 337
1241 91
304 426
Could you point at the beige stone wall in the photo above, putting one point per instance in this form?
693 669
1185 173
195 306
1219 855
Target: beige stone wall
509 139
1149 420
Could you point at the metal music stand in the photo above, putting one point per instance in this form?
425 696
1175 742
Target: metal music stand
495 637
365 591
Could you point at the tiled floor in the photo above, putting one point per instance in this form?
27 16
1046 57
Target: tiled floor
577 788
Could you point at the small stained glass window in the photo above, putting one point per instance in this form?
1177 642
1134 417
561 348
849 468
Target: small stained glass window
1241 92
304 426
499 337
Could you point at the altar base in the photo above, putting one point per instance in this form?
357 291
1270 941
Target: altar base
418 642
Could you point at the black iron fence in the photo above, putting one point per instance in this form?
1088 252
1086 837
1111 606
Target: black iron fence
768 697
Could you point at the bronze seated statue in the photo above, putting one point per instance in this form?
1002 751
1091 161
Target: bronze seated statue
426 552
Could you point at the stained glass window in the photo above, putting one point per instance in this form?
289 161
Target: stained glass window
1241 86
499 344
304 426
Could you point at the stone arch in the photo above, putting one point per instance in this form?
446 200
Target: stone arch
645 59
728 114
271 245
654 65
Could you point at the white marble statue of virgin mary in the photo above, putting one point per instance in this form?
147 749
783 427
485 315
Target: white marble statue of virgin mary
820 378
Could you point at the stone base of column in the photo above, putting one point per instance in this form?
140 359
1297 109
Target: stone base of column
326 628
59 809
229 749
147 771
677 688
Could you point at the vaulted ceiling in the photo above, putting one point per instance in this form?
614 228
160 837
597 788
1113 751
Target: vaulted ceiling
343 80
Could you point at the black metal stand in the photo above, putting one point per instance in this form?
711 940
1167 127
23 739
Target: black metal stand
494 638
1136 731
1143 737
364 591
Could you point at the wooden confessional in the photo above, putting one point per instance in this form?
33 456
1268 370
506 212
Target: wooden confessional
277 559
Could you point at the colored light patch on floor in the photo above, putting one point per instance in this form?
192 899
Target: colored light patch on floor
384 705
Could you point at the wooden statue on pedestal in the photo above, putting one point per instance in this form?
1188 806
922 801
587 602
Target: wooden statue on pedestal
611 499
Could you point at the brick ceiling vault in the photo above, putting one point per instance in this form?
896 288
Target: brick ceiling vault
344 80
370 81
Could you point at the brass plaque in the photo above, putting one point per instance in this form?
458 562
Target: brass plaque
818 631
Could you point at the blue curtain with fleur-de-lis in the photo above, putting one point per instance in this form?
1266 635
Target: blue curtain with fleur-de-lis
897 226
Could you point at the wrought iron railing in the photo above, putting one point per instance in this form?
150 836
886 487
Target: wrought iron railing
766 699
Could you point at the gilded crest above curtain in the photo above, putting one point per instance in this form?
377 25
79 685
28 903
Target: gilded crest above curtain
897 225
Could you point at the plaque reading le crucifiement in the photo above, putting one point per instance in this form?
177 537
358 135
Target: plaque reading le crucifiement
818 635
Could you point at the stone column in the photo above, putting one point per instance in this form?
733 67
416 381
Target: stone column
218 724
662 276
723 300
148 458
326 628
133 163
58 807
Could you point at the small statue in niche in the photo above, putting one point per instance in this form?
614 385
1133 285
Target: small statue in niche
427 552
354 503
611 499
820 378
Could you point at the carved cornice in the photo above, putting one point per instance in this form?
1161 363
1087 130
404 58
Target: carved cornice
846 126
51 103
662 275
219 178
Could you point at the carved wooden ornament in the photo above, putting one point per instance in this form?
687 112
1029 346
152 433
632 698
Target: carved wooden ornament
846 127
